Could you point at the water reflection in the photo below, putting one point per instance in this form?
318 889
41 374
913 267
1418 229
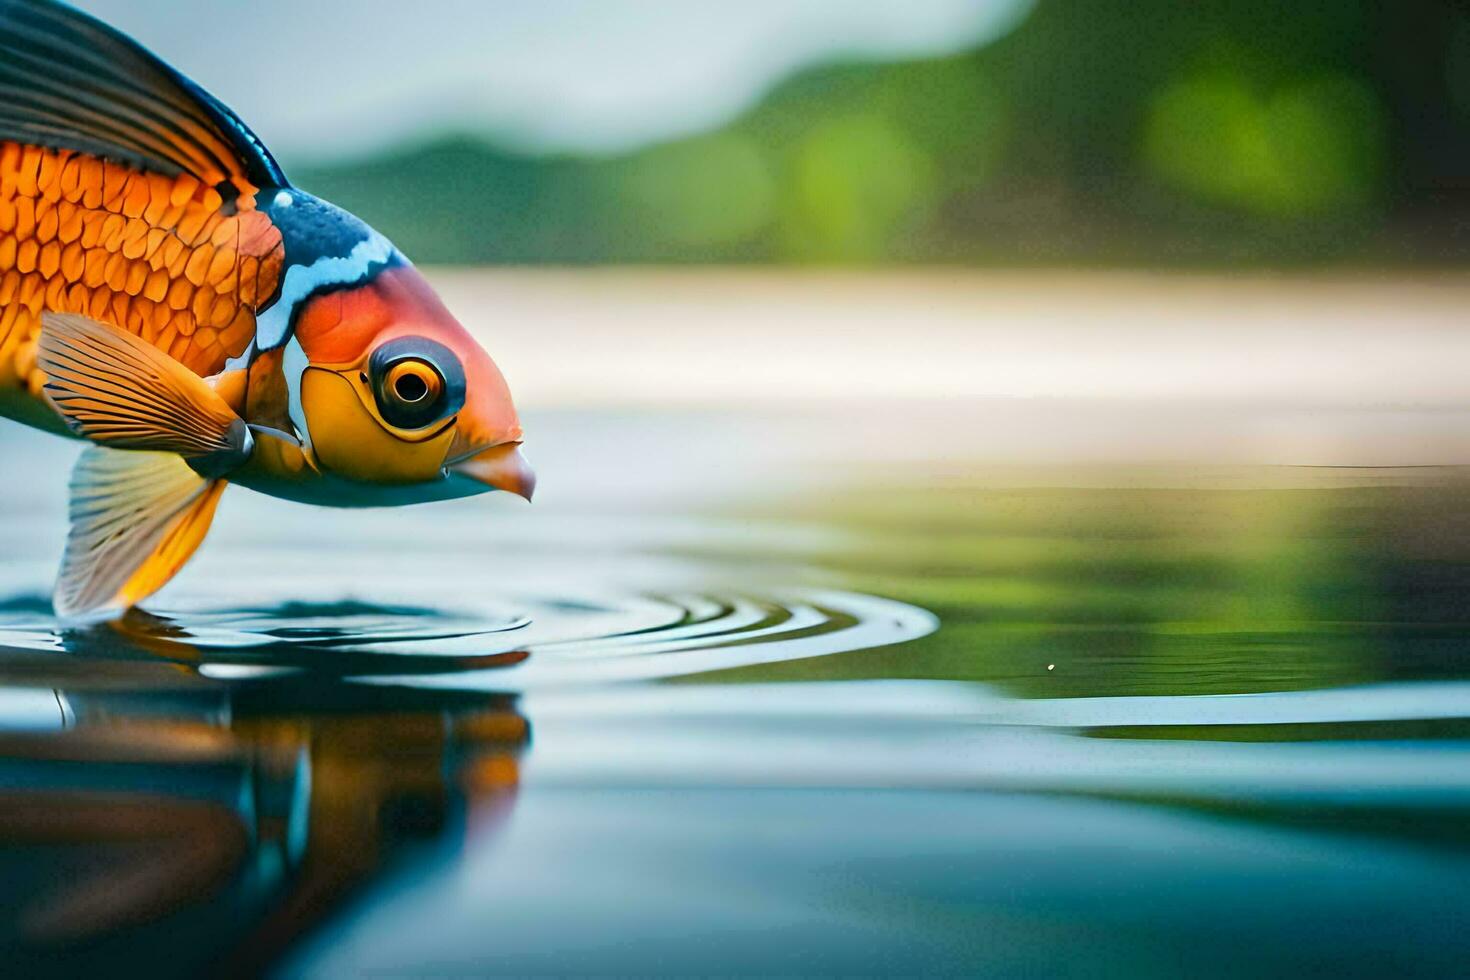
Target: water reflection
224 781
223 820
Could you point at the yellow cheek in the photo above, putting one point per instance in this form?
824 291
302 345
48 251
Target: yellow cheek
350 442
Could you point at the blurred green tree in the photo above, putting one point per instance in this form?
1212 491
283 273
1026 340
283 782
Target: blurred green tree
1099 131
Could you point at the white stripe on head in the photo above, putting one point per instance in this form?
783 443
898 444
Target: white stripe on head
272 326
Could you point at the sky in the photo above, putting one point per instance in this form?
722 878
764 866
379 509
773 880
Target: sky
321 81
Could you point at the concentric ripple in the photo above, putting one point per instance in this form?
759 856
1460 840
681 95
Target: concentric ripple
557 640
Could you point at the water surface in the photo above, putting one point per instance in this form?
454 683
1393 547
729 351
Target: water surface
750 711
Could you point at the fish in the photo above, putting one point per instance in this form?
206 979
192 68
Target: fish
168 296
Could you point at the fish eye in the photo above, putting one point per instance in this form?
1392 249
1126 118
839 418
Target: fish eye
413 381
416 382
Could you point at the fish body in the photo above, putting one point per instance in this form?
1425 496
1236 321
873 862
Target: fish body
169 296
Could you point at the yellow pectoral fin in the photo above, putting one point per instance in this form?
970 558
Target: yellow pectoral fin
136 518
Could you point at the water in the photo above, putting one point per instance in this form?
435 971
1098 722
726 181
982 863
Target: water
753 708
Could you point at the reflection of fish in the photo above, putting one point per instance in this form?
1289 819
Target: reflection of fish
164 289
227 819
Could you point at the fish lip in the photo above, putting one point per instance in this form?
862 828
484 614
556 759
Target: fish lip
484 448
508 471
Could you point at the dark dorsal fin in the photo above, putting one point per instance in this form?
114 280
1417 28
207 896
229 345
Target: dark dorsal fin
68 81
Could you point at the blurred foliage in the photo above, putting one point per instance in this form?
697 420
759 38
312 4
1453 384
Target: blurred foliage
1132 591
1235 131
1309 149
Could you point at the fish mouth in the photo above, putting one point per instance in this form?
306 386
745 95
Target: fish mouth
501 467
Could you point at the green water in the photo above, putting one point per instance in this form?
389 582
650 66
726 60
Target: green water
959 719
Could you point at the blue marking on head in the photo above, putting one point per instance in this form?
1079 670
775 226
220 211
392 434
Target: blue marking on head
326 248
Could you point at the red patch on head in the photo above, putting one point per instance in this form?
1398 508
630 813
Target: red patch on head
342 327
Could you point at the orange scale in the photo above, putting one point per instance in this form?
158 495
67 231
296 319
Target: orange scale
156 286
55 293
69 222
153 241
179 294
73 261
173 216
147 320
177 263
227 233
91 182
91 229
48 220
98 302
113 227
192 224
223 311
270 274
115 178
25 217
33 293
249 276
203 304
49 178
94 270
135 238
230 281
138 321
236 336
183 190
137 197
71 180
26 255
28 171
8 317
137 276
121 302
117 271
223 263
185 324
165 253
198 265
50 261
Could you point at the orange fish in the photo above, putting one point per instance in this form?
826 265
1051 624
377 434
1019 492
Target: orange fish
167 295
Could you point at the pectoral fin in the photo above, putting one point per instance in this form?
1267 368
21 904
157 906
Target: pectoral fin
136 518
118 390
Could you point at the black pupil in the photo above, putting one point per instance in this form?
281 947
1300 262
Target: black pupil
416 382
410 387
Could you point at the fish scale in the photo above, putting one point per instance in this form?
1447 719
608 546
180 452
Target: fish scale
153 238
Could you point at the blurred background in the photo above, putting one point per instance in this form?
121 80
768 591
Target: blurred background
1097 132
1002 511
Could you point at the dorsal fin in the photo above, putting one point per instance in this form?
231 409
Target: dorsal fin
68 81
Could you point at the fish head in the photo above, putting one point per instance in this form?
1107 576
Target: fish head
396 392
